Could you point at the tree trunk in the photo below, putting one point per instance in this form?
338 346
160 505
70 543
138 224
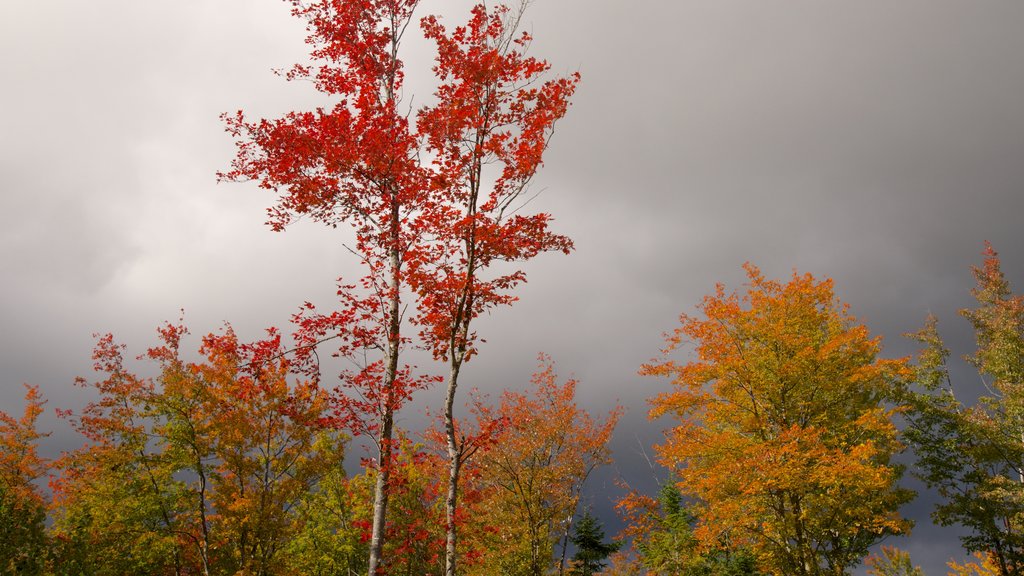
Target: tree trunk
803 549
454 467
381 488
458 344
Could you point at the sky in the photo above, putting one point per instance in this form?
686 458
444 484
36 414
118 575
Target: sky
877 143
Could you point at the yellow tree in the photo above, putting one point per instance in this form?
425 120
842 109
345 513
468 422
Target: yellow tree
199 470
781 435
981 565
892 562
117 507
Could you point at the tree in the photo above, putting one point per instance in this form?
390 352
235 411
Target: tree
532 475
622 563
974 455
265 447
22 511
416 533
981 565
430 224
780 434
359 163
197 471
494 112
661 531
998 421
892 562
591 549
117 507
331 522
356 163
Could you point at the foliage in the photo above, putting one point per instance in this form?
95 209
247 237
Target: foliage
331 528
531 476
662 534
356 163
622 563
591 549
781 435
196 471
495 113
495 109
416 532
981 565
23 541
116 504
413 193
974 456
892 562
335 519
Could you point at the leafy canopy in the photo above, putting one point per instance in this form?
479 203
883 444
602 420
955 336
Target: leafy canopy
780 432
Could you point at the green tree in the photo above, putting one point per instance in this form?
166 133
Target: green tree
23 544
974 455
662 533
328 537
116 504
591 549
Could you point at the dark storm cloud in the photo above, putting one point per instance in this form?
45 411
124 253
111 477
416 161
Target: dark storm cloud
876 143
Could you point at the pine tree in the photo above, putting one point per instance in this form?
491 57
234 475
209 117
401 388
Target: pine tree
591 550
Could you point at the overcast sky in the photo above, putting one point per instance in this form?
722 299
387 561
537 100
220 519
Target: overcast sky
879 143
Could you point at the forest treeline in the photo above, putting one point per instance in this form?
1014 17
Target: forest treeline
229 458
779 453
224 466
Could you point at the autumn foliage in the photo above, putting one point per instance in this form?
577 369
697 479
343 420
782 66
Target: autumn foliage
531 477
22 506
195 470
224 455
434 197
780 432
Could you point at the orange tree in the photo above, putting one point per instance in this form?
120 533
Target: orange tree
781 435
531 474
22 511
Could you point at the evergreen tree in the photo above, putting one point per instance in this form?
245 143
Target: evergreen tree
591 550
669 547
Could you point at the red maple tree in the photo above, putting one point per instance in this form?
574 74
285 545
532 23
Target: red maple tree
487 135
355 163
433 202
